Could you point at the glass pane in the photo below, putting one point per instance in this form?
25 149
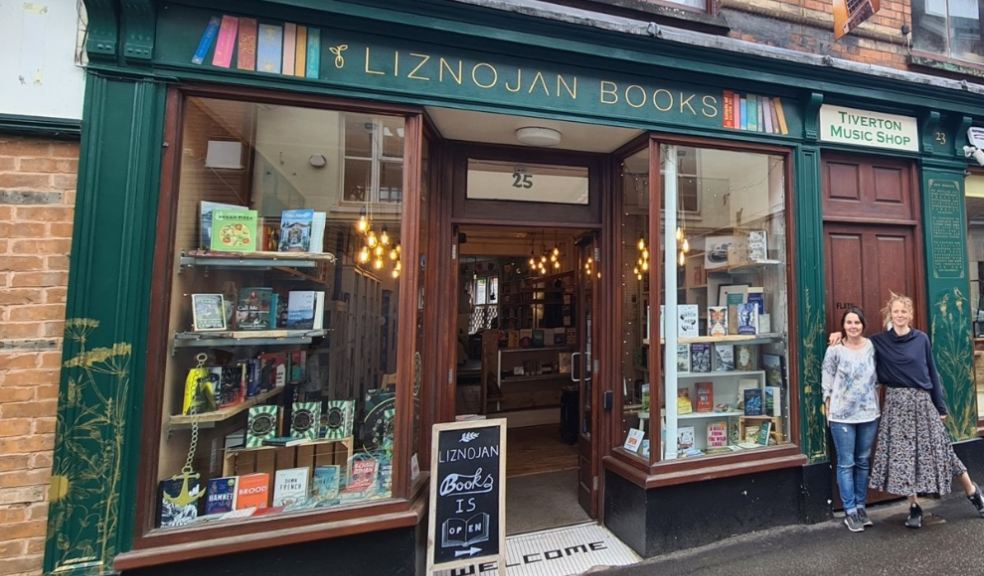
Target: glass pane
965 30
392 130
391 181
358 135
975 252
929 29
491 180
422 349
301 418
723 307
634 359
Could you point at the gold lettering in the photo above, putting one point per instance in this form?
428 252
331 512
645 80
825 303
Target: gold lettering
474 75
686 102
656 94
519 81
368 57
444 65
710 108
413 73
539 78
628 94
567 87
609 89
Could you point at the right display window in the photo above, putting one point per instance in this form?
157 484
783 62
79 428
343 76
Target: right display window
974 187
722 295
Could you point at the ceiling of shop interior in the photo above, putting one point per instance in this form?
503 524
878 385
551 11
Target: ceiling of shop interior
514 241
488 128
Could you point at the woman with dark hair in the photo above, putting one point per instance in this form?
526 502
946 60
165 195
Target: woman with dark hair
851 401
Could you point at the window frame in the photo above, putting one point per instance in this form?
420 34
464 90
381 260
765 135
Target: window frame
655 472
152 545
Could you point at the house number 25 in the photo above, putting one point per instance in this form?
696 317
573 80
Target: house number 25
521 180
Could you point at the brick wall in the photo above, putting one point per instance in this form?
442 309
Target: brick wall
37 199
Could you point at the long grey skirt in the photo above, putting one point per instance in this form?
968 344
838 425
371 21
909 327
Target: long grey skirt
913 453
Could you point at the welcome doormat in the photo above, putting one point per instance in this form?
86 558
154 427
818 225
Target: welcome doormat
556 552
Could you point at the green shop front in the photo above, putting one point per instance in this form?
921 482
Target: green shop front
308 231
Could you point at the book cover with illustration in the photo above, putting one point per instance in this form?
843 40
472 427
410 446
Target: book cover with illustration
775 370
305 309
705 396
221 495
764 433
700 357
263 423
295 230
253 491
683 357
685 437
297 367
689 326
205 209
717 434
717 320
273 370
325 485
465 531
233 231
208 312
753 402
362 472
230 383
747 315
255 309
724 358
290 486
772 400
305 420
338 419
746 357
174 509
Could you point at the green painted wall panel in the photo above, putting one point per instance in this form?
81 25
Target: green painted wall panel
100 393
947 289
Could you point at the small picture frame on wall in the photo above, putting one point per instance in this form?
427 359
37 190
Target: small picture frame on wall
208 312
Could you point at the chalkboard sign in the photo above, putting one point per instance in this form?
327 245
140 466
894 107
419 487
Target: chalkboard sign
467 494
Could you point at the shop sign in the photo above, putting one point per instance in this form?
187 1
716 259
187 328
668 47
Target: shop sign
866 128
399 68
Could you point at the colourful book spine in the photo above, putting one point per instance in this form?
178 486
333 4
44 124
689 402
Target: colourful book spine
290 40
744 114
752 113
206 41
783 129
736 104
761 113
313 52
246 57
300 52
775 119
268 48
226 42
767 115
729 110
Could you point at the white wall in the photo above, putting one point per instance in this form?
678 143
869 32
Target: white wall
38 74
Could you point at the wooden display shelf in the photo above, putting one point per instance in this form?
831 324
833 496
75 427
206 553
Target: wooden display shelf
535 377
695 414
730 338
258 259
720 374
540 349
245 338
209 419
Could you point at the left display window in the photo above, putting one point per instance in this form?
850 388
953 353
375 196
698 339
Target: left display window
279 389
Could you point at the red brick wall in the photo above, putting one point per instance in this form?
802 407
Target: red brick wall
37 199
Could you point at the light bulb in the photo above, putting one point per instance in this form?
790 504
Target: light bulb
372 240
364 255
556 265
642 243
553 257
396 273
532 261
543 258
645 254
398 266
393 254
377 263
679 233
378 250
645 266
384 238
362 225
686 245
682 259
635 270
556 251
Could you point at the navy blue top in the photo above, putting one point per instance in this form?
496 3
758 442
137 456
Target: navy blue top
907 362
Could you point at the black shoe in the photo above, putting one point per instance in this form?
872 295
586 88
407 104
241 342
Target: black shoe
915 517
853 523
977 500
863 516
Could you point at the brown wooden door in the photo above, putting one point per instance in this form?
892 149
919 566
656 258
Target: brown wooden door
585 373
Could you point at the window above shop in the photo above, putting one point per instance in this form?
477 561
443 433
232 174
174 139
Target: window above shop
950 29
696 14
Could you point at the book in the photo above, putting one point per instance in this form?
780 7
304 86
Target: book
362 473
269 48
633 440
756 295
296 366
783 128
273 370
300 52
700 357
752 123
290 486
199 392
729 110
174 510
537 340
764 432
465 531
775 370
312 70
290 40
683 358
230 384
263 423
295 230
246 52
753 402
744 113
746 357
731 294
255 309
717 434
302 309
305 420
685 437
758 245
205 42
743 385
689 320
324 487
724 358
684 405
564 363
253 491
338 420
226 42
205 209
705 396
233 230
284 441
717 320
747 315
772 401
221 495
318 222
767 115
208 312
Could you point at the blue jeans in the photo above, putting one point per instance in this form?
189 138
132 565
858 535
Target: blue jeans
853 443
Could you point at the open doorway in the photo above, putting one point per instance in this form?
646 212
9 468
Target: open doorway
521 335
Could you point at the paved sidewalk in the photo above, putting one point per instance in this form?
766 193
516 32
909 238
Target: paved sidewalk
950 542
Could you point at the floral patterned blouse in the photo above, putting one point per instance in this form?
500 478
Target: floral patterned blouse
849 382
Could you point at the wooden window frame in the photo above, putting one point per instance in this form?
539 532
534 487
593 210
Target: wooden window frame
405 508
656 473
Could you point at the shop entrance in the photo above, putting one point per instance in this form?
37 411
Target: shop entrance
524 323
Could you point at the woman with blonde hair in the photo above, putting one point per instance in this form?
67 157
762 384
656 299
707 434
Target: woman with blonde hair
913 454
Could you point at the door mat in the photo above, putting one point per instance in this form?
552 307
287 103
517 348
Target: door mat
556 552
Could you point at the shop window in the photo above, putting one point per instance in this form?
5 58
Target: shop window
975 252
718 311
279 392
951 28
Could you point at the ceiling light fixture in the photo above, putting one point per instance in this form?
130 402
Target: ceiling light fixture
538 136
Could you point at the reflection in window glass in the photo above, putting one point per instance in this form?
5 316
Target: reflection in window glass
285 337
975 252
948 27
